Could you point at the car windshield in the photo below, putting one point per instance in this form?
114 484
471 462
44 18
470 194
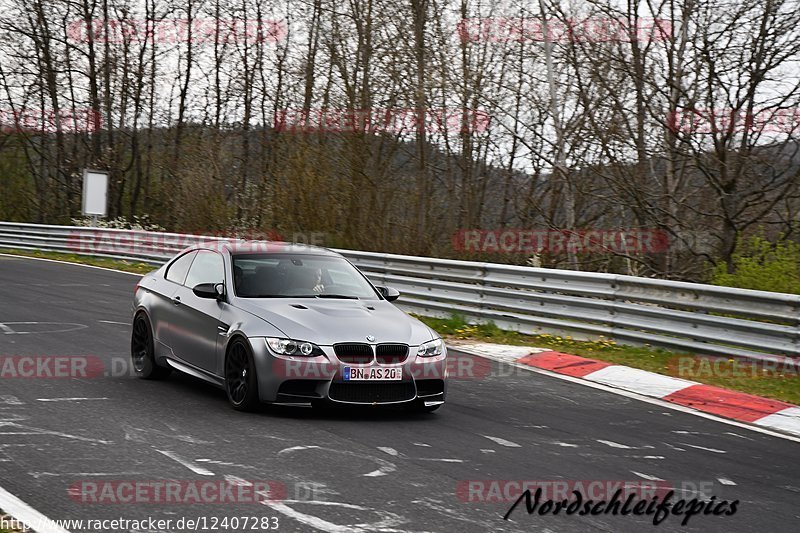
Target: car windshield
298 276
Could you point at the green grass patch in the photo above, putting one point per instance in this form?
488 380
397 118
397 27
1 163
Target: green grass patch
117 264
7 518
780 385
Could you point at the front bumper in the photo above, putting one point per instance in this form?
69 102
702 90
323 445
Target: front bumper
303 380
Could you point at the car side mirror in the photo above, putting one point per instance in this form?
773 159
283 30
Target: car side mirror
211 291
389 293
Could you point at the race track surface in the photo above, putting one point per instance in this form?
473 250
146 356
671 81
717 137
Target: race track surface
372 470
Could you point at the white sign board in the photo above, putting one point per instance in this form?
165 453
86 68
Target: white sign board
95 192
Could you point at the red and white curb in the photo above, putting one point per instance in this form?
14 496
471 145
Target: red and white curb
772 414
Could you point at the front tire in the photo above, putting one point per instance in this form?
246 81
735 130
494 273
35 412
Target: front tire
241 384
143 351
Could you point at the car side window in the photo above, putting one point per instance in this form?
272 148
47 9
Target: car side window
178 269
207 268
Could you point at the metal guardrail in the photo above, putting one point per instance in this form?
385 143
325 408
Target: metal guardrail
685 316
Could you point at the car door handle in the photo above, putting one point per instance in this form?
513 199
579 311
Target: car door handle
176 300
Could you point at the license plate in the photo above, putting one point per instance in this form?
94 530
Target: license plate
372 374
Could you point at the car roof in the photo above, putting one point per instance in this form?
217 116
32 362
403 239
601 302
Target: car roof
253 247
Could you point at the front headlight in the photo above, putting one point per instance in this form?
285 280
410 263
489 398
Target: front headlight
293 347
431 348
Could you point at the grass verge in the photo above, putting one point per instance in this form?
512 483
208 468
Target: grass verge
8 520
781 384
117 264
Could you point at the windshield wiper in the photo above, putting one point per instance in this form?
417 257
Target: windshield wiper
338 296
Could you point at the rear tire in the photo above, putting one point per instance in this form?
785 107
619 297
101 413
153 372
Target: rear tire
241 383
143 351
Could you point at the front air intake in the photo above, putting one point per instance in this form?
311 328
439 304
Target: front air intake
370 393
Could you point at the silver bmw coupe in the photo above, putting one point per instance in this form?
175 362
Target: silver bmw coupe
287 324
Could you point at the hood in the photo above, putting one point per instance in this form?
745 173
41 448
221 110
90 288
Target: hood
327 322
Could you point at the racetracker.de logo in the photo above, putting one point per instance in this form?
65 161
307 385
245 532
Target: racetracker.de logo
708 121
581 241
690 367
175 492
51 366
144 243
456 366
590 30
172 31
392 121
509 490
31 120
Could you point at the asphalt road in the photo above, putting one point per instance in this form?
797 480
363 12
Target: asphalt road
371 470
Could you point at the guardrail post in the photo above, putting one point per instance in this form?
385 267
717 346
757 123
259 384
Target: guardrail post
483 273
612 322
796 353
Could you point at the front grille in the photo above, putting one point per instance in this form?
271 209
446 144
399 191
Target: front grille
355 353
387 354
372 392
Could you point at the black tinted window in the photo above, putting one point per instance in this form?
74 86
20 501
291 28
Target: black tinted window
177 270
298 276
207 268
